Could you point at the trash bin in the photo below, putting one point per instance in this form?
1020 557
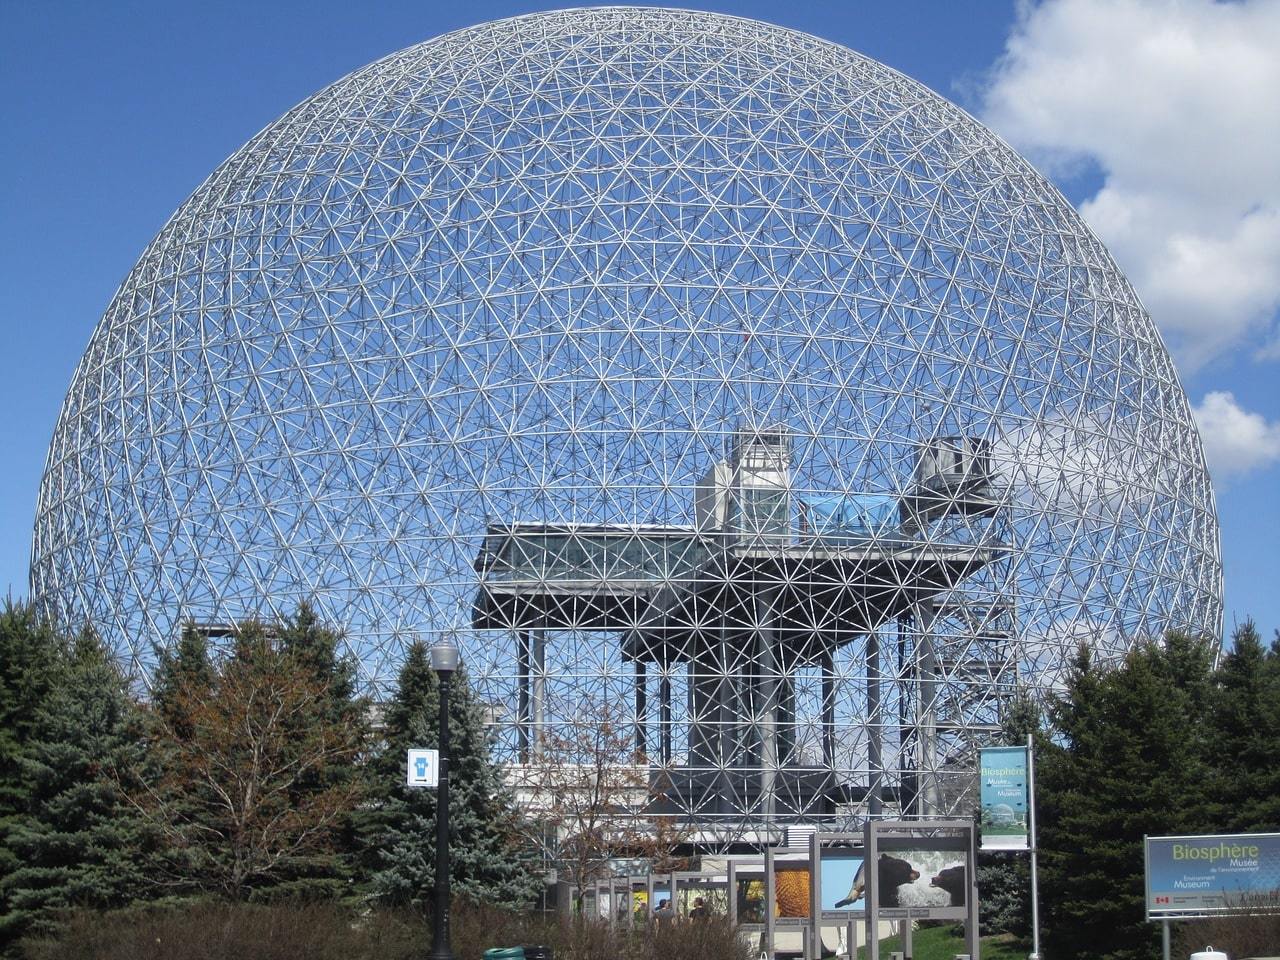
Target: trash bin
538 953
504 953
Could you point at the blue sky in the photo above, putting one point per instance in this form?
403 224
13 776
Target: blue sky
1158 120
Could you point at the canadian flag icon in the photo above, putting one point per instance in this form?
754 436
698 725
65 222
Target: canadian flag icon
1162 899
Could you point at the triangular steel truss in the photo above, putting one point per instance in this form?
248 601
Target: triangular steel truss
810 418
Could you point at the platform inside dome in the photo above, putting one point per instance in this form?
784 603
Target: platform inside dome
667 588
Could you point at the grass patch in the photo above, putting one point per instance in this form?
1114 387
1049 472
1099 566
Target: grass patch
943 943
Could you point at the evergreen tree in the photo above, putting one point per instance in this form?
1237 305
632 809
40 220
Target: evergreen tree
28 652
1129 760
180 671
79 843
398 829
1246 735
314 649
29 649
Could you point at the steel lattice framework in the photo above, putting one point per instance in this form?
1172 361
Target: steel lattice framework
686 369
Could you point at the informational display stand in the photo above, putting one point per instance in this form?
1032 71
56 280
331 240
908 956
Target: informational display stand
637 900
601 905
839 883
659 889
920 870
692 886
747 893
615 910
787 893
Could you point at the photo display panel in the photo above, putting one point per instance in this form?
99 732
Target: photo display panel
638 900
659 892
840 892
793 890
701 895
747 889
920 870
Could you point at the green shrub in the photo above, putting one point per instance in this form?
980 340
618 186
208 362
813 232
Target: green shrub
326 931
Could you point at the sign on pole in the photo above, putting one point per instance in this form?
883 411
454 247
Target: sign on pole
1005 803
423 768
1201 876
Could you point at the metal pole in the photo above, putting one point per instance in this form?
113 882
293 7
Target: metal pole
440 949
1164 936
1031 824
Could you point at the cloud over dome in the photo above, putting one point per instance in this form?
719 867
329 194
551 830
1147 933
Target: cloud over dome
1176 105
1235 440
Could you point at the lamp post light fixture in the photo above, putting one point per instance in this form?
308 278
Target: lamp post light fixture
444 661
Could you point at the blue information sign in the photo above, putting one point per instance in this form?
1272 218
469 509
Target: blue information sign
1187 876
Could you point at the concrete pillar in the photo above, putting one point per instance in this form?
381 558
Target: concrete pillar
522 685
539 664
930 789
875 727
642 708
767 703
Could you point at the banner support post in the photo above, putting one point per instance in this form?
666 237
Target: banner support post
1035 883
1164 937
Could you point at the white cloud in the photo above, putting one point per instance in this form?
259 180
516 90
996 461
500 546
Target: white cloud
1176 102
1235 440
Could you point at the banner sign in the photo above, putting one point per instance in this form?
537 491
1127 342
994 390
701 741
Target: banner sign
1190 876
1003 778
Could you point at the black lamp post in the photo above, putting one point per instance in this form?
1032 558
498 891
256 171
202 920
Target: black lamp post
444 661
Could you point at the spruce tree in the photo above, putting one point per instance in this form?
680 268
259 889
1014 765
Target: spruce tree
29 650
314 649
487 860
179 672
1246 734
1128 760
79 843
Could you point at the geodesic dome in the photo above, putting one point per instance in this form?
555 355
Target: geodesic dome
663 359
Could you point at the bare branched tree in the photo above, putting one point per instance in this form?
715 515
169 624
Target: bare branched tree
587 785
236 783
